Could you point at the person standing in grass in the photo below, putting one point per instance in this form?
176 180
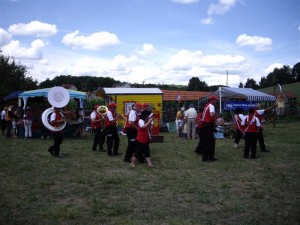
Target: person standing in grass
209 119
112 139
251 124
131 130
259 114
56 119
97 123
238 118
143 138
200 146
190 117
3 120
28 118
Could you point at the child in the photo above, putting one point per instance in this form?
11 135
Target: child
180 127
219 134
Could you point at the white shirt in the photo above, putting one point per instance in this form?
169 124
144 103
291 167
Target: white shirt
3 115
53 116
191 113
132 116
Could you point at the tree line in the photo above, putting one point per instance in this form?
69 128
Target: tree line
14 77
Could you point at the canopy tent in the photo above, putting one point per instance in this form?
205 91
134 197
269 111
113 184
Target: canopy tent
12 95
44 93
247 94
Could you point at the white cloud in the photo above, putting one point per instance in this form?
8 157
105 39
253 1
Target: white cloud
35 28
147 49
259 43
185 1
95 41
207 21
299 27
271 68
5 37
34 52
222 7
183 60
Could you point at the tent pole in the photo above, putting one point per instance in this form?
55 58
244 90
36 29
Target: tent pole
220 97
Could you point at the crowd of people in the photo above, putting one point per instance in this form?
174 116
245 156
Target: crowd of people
190 124
209 126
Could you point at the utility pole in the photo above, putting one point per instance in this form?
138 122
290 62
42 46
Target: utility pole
227 78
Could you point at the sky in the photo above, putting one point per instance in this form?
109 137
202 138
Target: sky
222 42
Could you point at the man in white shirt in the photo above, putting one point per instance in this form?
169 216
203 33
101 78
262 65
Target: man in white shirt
190 117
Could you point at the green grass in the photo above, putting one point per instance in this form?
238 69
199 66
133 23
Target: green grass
86 187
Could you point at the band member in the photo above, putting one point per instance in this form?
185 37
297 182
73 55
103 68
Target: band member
259 114
251 124
200 146
131 129
112 139
56 119
209 119
143 138
97 123
238 117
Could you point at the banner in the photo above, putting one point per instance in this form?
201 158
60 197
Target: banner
232 105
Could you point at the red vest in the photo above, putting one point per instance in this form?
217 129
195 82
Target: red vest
207 118
238 121
143 135
97 124
136 122
111 123
259 117
199 120
250 125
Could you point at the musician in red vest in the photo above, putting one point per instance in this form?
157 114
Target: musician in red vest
112 138
251 126
56 119
143 138
239 132
200 146
209 119
131 129
97 123
259 114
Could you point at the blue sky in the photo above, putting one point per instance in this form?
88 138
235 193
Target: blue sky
152 41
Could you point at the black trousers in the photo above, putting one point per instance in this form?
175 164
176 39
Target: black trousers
112 140
143 150
261 140
8 129
200 146
58 139
3 125
250 144
209 141
132 143
238 136
99 138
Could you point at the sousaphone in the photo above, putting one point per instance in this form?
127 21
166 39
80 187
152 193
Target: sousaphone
58 97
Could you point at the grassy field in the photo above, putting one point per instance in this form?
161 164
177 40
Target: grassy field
86 187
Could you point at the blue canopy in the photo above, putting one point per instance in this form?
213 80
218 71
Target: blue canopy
12 95
44 93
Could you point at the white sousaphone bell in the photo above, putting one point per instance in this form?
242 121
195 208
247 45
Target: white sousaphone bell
58 97
102 110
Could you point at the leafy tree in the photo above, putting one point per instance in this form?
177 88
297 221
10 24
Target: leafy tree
13 77
251 83
241 85
196 85
263 82
296 72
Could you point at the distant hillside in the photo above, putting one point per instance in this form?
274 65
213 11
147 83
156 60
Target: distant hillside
294 88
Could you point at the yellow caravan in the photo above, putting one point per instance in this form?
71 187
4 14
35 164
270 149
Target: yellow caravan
126 97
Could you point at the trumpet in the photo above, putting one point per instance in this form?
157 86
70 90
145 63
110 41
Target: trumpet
102 110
